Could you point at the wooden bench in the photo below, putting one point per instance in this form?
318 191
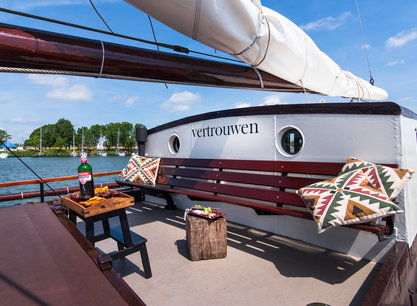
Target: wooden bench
266 186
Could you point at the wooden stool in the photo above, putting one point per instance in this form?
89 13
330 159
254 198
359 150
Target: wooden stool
206 239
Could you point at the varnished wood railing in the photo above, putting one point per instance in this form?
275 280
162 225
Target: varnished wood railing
43 193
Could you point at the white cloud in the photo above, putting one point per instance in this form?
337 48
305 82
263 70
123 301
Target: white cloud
50 80
21 120
180 101
74 93
394 63
242 105
367 46
400 39
326 24
271 100
61 88
408 98
130 101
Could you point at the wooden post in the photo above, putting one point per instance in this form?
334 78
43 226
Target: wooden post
206 239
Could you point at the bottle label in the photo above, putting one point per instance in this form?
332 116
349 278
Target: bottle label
84 177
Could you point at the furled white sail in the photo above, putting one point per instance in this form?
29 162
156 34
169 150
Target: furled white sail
263 39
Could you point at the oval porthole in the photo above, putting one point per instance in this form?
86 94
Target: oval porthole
290 141
174 144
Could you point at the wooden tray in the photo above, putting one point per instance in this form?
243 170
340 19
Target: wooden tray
103 206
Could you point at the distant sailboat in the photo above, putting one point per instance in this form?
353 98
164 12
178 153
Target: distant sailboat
40 154
119 153
82 153
73 153
100 146
4 155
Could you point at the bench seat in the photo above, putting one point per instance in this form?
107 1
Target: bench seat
268 187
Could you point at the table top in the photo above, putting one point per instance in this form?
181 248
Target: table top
41 263
123 200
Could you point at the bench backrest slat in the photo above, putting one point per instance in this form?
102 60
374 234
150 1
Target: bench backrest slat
321 168
265 181
240 177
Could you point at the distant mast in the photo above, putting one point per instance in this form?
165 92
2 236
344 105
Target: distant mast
40 149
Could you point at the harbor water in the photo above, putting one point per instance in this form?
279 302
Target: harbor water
12 169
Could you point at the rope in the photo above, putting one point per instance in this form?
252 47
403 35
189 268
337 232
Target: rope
371 80
29 169
254 41
102 59
112 76
260 77
305 91
269 41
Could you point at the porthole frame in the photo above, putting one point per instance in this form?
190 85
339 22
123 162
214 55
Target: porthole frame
280 135
174 144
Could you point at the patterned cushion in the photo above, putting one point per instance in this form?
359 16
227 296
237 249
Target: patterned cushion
386 179
346 199
141 169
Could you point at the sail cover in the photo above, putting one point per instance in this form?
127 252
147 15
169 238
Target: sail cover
261 38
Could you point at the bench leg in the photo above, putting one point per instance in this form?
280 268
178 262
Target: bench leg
145 261
170 202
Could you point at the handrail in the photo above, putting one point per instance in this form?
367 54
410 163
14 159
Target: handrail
54 179
42 193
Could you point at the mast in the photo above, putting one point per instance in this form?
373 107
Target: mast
82 140
40 151
34 51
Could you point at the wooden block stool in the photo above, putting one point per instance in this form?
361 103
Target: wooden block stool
206 239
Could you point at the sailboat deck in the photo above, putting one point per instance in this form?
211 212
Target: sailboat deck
260 267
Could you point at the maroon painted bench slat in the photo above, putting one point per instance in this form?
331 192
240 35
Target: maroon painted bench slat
266 186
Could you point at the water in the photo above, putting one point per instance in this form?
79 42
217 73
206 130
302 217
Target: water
11 169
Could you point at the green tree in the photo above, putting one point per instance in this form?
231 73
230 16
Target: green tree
4 136
61 142
63 133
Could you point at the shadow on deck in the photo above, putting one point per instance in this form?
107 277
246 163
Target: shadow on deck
260 267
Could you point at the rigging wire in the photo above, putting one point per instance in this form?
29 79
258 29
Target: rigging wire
99 15
176 48
154 37
29 168
371 80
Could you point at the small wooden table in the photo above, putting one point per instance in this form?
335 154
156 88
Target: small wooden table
206 239
128 242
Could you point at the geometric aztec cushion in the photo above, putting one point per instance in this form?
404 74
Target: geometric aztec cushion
346 199
141 170
388 180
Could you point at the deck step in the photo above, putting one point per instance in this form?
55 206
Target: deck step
138 245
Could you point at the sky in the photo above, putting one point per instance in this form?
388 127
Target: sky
28 101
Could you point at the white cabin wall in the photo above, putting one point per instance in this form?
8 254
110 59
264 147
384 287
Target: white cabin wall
406 223
326 138
333 138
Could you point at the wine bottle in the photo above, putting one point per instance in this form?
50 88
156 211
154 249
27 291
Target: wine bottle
85 178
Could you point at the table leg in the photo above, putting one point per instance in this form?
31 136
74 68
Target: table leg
125 228
73 217
106 226
89 230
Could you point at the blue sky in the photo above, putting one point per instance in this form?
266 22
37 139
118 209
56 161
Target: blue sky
29 101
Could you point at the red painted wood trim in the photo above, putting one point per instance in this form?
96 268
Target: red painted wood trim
239 177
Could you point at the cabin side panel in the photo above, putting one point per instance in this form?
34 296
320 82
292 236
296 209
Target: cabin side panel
407 226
